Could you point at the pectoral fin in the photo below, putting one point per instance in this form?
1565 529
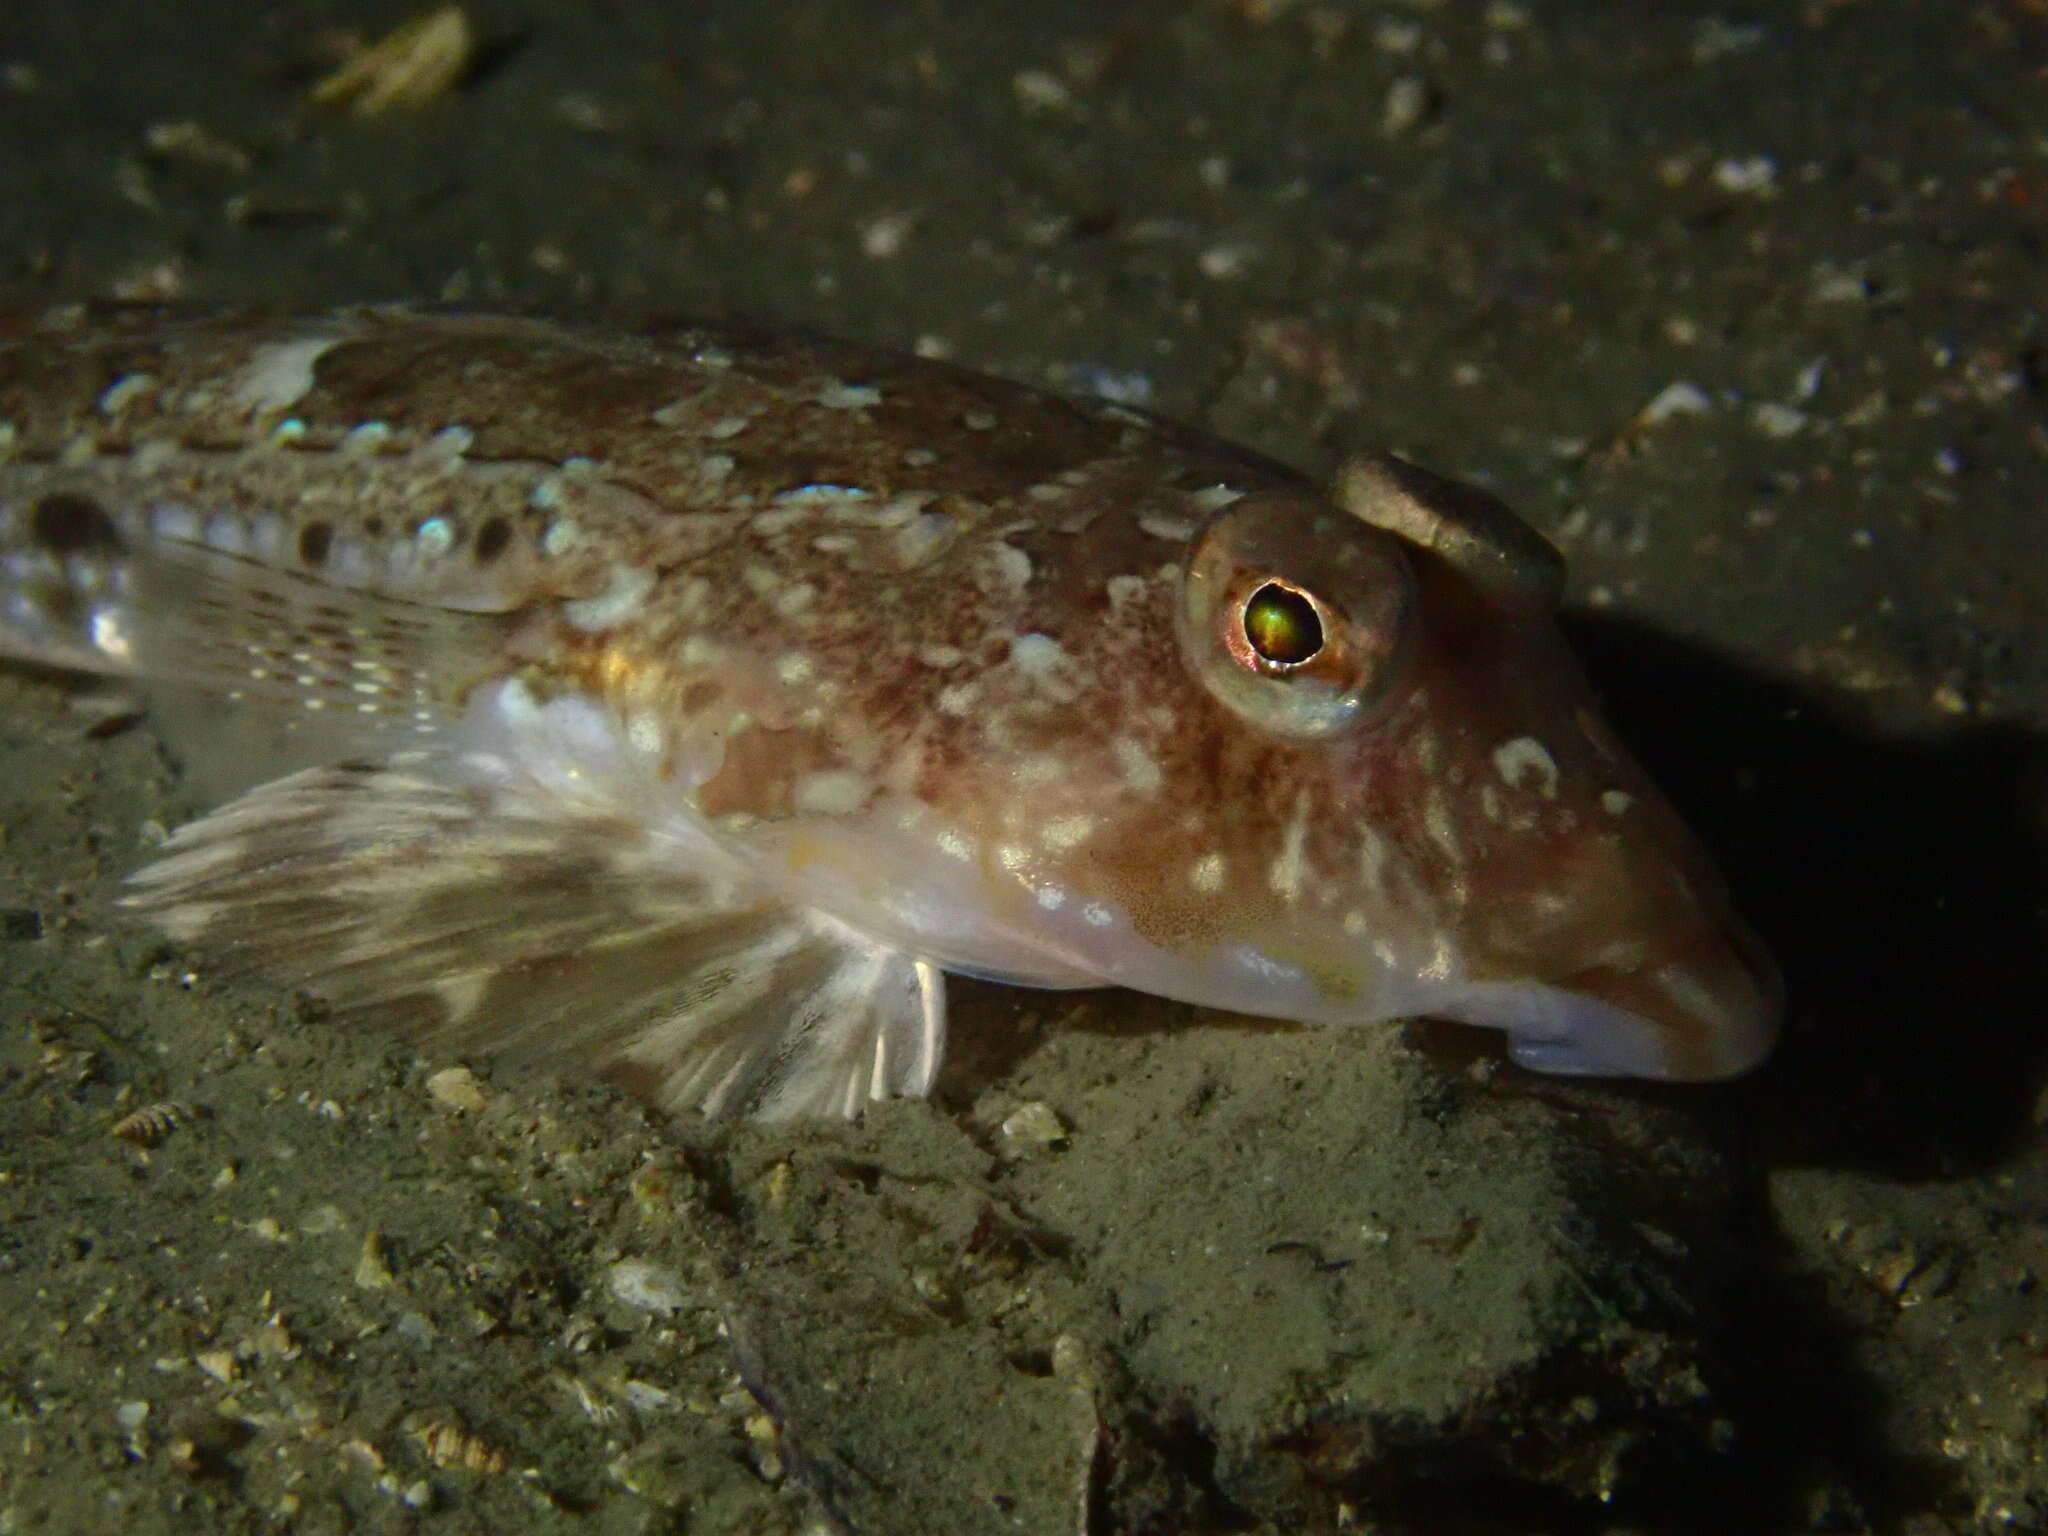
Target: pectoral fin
486 916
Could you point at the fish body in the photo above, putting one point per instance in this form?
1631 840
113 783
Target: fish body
688 702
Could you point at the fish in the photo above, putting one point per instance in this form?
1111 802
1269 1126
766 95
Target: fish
686 702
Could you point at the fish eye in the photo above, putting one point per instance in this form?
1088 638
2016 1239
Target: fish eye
1281 626
1296 615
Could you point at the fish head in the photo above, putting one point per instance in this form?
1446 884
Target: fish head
1320 757
1413 805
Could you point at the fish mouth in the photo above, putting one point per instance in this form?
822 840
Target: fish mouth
1701 1007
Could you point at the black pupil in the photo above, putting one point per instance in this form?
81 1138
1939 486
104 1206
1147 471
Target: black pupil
1282 625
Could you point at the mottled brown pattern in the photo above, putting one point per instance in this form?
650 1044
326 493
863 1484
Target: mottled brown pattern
910 620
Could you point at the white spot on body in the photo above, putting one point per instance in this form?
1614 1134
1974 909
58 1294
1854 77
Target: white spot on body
1124 589
1040 658
225 533
1290 866
1111 411
1438 967
1526 758
1216 497
117 396
1686 990
820 493
1427 750
832 792
154 456
1140 770
1065 832
110 635
26 566
280 375
1041 768
348 562
921 540
266 536
367 437
169 520
1013 566
1207 874
436 537
1436 821
449 443
621 598
691 601
894 512
1615 802
794 667
1175 530
841 396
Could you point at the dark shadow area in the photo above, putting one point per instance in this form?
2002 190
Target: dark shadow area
1806 1420
1900 883
1813 1450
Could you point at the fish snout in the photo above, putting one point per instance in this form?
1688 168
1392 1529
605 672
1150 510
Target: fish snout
1702 1003
1622 956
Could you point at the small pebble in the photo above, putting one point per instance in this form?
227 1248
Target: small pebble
647 1287
456 1088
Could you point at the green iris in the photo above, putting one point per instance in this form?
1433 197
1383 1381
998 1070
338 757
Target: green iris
1282 625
